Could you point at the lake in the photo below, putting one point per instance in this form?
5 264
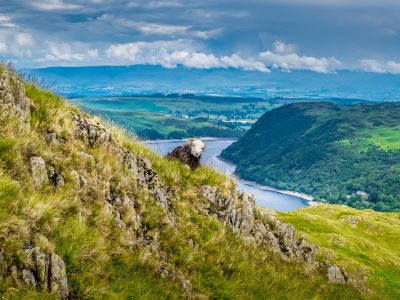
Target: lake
264 196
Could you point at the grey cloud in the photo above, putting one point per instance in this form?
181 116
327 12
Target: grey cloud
345 30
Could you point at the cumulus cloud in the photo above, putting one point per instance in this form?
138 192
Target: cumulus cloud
283 56
16 44
3 48
69 54
235 61
372 65
173 53
50 5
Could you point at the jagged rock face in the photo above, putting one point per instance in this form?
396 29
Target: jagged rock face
44 271
95 134
39 171
238 210
91 131
13 100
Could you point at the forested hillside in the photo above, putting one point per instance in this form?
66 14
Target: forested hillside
347 154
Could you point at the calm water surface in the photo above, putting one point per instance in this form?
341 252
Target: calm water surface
265 198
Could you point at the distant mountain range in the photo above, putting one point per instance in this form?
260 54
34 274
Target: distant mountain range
147 79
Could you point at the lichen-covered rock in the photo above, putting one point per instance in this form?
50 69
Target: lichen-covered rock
91 131
39 171
238 210
13 100
335 273
43 271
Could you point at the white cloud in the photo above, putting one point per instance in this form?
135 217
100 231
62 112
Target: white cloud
235 61
372 65
6 21
50 5
16 44
24 39
162 29
282 48
163 4
180 52
148 28
283 57
3 48
69 54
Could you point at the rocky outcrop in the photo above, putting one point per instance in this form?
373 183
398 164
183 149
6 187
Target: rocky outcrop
42 271
94 134
335 273
238 211
13 100
38 171
91 131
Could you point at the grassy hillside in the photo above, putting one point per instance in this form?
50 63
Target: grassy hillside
339 154
116 239
365 242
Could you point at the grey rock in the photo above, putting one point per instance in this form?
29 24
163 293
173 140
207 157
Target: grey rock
39 172
238 211
335 274
13 100
187 287
58 277
92 132
76 179
47 272
51 137
28 277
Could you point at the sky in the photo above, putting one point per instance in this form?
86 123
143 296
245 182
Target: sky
259 35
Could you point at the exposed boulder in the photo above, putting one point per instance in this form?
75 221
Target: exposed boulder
39 172
92 131
189 154
13 100
335 273
43 271
146 177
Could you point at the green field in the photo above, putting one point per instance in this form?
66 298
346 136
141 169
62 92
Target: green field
366 243
179 116
162 117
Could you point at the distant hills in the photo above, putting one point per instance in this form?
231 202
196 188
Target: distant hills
147 79
346 154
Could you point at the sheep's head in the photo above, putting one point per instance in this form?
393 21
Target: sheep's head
196 147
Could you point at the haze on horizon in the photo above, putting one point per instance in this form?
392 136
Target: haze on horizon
321 36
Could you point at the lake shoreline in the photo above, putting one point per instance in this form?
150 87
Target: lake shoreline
306 199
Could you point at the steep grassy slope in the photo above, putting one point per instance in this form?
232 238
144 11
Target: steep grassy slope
366 243
119 233
339 154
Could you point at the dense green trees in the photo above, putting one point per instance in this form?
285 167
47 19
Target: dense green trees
339 154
